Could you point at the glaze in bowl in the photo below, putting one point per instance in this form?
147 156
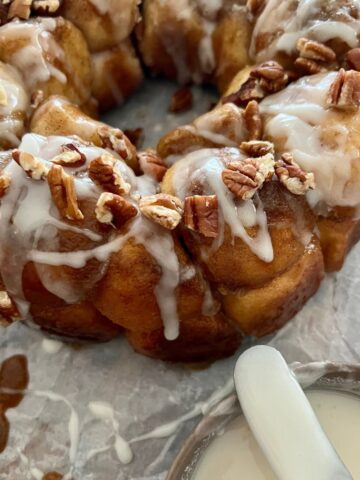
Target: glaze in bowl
320 375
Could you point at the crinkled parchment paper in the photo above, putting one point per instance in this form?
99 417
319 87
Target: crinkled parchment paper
145 393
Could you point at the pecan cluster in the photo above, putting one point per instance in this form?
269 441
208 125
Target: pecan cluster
292 176
23 9
344 92
314 57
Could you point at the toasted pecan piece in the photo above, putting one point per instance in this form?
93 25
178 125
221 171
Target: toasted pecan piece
271 75
114 209
152 164
63 192
70 156
353 58
166 210
5 181
253 120
292 176
344 92
34 167
257 148
103 171
315 50
114 139
8 310
181 101
249 90
308 66
201 214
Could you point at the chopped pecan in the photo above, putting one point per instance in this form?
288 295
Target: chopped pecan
344 92
46 6
5 181
244 177
62 188
70 156
134 135
114 209
249 90
254 6
20 9
166 210
152 164
8 310
201 214
34 167
308 66
292 176
271 75
3 96
253 120
181 101
103 171
353 58
315 50
116 140
257 148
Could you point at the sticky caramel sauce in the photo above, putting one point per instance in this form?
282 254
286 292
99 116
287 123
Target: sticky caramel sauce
14 375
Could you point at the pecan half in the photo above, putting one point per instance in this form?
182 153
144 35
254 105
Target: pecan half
257 148
116 140
34 167
103 171
166 210
152 164
315 50
344 92
181 101
353 58
8 310
62 188
244 177
5 181
271 75
201 214
292 176
249 90
114 209
3 96
253 120
20 9
70 156
308 66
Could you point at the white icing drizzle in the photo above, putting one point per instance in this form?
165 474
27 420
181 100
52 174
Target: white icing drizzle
303 18
322 140
205 166
51 346
31 221
38 48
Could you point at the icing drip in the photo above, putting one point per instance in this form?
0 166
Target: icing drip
297 120
205 167
31 229
38 47
51 346
290 20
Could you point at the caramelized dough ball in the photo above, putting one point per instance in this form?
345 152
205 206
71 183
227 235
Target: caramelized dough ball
116 75
259 311
201 339
14 106
51 54
58 116
105 23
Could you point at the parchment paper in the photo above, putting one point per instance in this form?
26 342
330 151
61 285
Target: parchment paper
146 393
